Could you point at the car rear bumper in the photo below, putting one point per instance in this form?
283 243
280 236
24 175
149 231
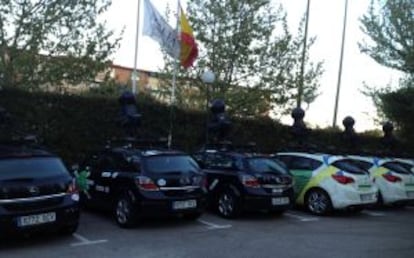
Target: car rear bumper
346 199
268 202
165 207
395 195
66 216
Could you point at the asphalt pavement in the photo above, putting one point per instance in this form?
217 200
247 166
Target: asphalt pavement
376 233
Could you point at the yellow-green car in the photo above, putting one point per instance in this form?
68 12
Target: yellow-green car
324 183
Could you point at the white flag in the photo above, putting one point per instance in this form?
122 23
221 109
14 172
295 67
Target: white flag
157 28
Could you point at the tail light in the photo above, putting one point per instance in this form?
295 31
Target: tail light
146 184
73 191
204 182
72 188
391 178
249 181
342 179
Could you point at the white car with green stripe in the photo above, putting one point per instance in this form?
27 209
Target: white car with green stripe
394 180
324 183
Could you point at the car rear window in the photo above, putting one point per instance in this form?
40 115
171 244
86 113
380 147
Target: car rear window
396 167
362 164
265 165
171 164
349 166
29 168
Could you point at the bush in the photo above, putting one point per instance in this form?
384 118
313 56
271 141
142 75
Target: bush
74 125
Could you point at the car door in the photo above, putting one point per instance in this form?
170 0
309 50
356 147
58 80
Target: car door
102 176
220 170
301 168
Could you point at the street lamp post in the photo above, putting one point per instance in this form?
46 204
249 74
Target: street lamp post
208 77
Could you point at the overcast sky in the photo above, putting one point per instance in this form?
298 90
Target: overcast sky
325 22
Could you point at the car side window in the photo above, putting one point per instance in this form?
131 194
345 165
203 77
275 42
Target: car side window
284 159
106 162
199 158
122 164
219 161
302 163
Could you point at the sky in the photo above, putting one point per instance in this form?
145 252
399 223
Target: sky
325 22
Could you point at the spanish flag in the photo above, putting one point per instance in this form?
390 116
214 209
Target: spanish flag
189 50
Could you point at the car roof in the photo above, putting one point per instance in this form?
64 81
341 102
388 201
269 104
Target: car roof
374 160
146 152
12 151
322 157
235 154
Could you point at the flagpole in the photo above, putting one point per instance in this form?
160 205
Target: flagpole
302 66
174 82
134 76
340 66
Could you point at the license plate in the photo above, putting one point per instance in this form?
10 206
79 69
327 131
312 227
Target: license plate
364 187
410 195
280 201
181 205
36 219
367 197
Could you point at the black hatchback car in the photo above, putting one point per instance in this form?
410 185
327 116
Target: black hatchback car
37 193
240 181
136 183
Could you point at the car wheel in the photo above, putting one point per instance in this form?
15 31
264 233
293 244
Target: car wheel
228 204
69 230
318 202
192 216
124 212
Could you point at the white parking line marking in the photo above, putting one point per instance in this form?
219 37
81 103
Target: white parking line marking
85 241
371 213
299 217
213 226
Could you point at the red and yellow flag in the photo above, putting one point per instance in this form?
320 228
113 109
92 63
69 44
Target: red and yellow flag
189 50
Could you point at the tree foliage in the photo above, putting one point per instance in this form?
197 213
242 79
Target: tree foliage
255 58
390 27
396 105
49 42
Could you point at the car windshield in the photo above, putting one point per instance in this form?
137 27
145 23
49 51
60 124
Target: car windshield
171 164
350 166
396 167
29 168
265 165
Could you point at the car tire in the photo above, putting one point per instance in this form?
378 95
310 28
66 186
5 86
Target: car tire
228 204
124 212
192 216
318 202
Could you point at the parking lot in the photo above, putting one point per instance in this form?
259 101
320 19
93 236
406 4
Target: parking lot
383 232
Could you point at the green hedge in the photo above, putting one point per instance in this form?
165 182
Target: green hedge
74 125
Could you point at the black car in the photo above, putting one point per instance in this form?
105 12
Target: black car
240 181
136 183
37 193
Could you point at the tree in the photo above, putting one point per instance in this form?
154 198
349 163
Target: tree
390 26
396 104
391 29
247 44
52 42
